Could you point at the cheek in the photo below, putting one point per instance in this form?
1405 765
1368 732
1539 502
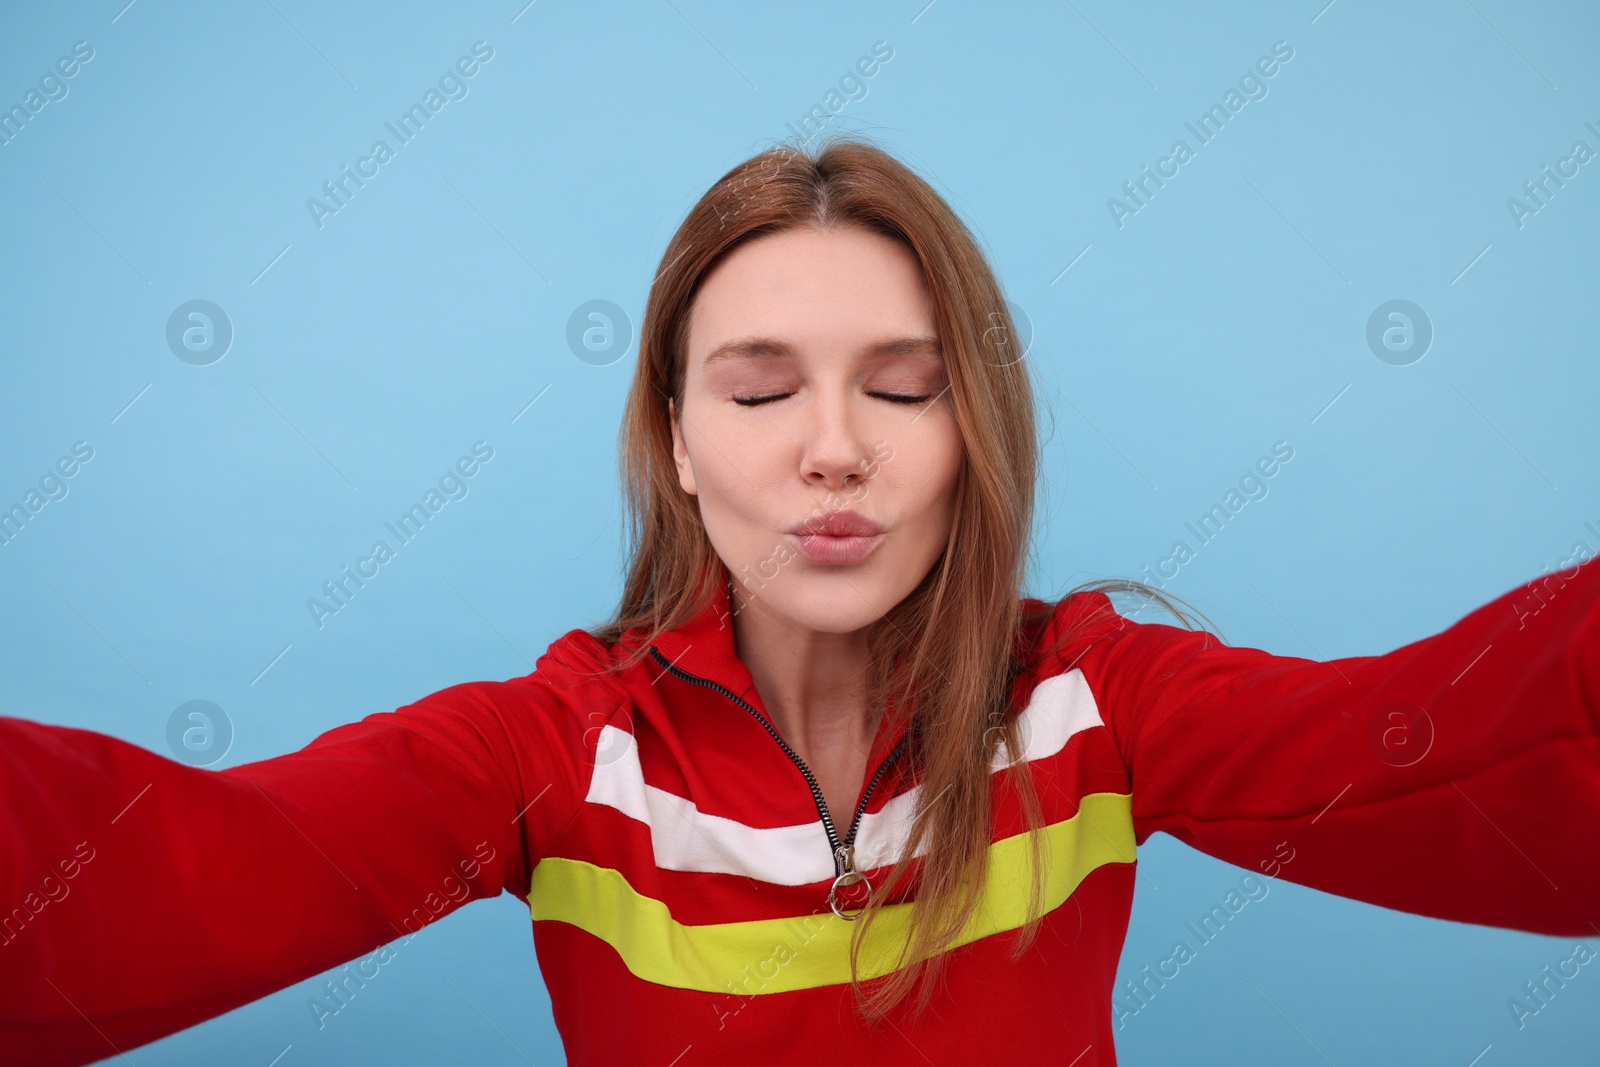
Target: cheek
733 467
922 474
735 485
923 460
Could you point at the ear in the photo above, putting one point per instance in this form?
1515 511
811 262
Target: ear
680 452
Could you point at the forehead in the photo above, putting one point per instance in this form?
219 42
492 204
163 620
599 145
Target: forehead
827 289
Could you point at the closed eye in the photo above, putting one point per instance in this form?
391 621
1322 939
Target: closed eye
897 398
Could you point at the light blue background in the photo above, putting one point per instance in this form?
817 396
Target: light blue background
1226 315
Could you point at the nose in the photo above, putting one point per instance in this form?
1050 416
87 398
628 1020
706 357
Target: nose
834 453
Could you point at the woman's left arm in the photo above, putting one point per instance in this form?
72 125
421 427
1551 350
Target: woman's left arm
1457 776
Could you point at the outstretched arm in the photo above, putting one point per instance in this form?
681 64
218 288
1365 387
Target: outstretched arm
1457 776
144 895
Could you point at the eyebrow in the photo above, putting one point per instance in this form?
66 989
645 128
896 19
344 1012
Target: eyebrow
773 348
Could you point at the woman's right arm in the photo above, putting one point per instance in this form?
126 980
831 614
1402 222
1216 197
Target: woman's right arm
140 895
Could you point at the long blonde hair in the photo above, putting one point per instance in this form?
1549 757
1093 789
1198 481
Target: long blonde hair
952 643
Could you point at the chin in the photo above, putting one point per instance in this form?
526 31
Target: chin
837 600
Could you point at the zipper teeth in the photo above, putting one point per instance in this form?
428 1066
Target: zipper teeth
894 754
816 791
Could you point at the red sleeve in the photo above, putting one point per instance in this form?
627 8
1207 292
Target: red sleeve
1456 777
144 895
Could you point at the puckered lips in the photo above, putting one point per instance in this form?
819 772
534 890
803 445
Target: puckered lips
839 537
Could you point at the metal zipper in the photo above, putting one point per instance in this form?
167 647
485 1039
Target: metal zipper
843 851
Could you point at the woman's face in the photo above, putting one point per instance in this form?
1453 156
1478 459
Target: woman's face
834 327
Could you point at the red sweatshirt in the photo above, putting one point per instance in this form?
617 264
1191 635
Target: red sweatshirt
677 861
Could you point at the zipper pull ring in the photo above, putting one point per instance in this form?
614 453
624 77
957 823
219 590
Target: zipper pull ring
848 878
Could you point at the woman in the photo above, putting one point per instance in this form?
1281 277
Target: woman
827 784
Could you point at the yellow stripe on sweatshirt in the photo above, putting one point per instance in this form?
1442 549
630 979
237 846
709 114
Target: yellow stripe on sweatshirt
806 951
